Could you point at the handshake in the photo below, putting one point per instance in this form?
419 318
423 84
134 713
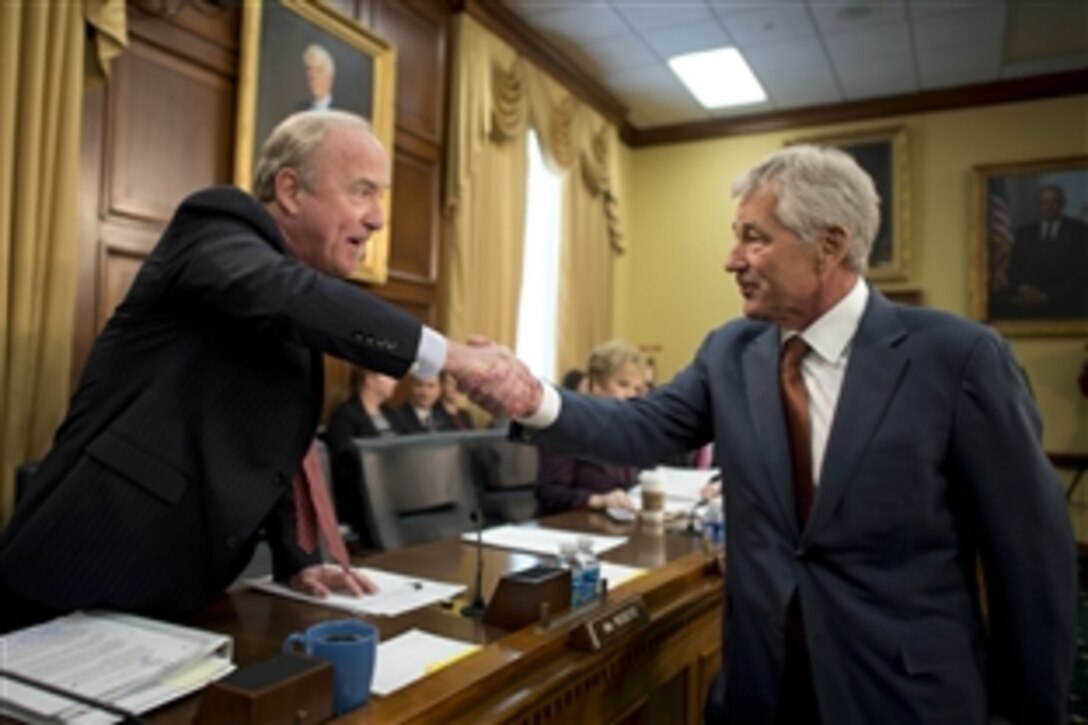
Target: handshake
494 378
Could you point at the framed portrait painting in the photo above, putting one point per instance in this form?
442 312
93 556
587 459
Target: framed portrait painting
1029 247
300 55
883 153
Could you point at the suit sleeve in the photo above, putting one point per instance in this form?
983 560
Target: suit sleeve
230 269
1016 507
673 419
556 491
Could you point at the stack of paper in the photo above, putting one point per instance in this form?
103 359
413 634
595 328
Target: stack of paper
541 540
396 593
129 662
412 655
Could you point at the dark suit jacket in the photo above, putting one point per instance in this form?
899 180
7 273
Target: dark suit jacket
933 463
196 406
461 421
1056 266
565 482
412 424
347 422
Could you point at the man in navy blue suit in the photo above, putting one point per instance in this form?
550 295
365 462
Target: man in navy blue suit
852 580
203 391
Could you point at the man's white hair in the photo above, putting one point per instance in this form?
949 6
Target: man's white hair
817 188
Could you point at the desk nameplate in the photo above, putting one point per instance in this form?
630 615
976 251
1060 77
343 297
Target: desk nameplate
610 625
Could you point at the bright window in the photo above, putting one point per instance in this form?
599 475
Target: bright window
538 305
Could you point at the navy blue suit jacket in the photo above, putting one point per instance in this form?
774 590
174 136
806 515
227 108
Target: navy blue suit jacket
933 464
196 406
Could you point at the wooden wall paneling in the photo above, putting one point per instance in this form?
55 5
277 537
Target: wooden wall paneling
414 254
420 36
172 132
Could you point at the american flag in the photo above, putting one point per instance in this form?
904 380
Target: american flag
1001 236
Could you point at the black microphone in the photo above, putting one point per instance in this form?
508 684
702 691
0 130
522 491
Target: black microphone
476 609
691 515
716 478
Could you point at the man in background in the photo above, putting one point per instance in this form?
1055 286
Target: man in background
185 438
418 413
874 456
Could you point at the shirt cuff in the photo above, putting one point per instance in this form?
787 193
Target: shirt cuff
430 355
551 404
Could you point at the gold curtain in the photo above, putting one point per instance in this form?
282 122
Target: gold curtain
42 47
497 95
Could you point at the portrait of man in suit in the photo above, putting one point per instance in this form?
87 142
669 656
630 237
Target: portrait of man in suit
320 78
1046 273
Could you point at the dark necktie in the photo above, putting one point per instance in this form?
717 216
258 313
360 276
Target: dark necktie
314 512
795 404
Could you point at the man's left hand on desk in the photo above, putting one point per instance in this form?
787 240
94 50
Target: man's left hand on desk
320 580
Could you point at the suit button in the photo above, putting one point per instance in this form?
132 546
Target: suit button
800 553
279 479
357 336
233 542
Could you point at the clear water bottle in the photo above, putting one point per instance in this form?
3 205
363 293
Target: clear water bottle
569 559
591 570
714 526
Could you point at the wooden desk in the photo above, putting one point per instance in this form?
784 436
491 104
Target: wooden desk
659 675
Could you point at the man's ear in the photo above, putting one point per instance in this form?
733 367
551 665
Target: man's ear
288 189
832 247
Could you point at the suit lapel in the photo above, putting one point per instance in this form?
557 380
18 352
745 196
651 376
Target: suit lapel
765 409
874 371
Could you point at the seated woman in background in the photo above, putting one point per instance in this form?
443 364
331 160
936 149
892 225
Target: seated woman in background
364 414
571 483
450 409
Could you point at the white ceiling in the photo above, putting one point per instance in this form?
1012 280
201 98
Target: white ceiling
808 52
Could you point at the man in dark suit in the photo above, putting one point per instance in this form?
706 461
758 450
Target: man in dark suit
919 452
419 414
1047 273
203 391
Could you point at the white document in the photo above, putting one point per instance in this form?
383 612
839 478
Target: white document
413 655
123 660
682 487
540 540
397 593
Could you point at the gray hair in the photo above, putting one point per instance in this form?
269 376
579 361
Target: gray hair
317 54
291 143
817 188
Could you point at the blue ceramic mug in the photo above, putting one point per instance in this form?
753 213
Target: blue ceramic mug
351 646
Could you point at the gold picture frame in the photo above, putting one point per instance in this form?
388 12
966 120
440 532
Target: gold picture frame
1027 278
273 83
884 154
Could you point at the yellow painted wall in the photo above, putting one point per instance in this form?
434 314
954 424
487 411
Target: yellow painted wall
671 288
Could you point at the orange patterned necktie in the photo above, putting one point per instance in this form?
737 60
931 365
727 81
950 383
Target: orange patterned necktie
314 512
795 404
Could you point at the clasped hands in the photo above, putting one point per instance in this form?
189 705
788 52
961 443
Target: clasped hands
494 378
